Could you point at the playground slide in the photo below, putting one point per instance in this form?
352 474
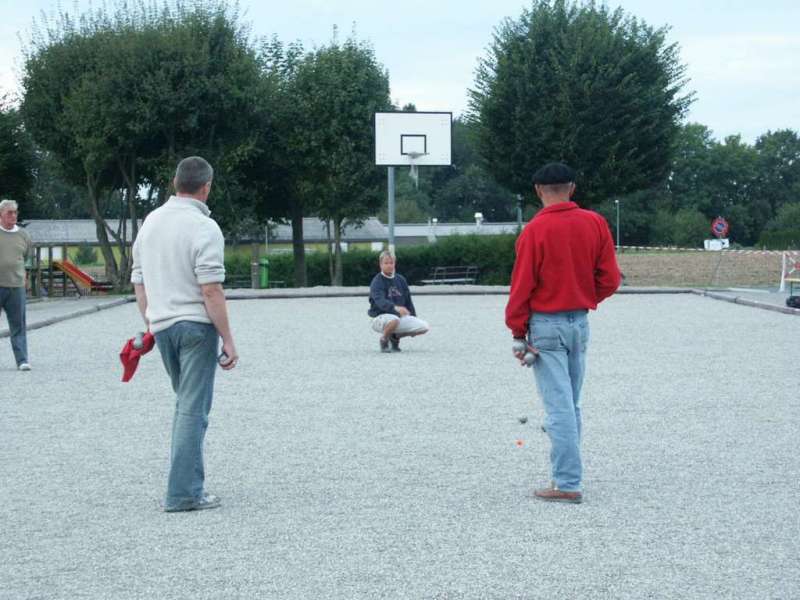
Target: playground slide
81 278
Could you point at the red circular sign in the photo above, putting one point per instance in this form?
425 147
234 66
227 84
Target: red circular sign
719 227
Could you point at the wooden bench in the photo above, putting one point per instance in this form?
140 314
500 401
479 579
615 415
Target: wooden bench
245 282
237 282
452 275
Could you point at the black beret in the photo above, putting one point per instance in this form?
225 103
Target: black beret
554 174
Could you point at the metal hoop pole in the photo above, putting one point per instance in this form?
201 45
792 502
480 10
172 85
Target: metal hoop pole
391 209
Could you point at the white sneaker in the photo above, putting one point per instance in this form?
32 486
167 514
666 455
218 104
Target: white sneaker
24 367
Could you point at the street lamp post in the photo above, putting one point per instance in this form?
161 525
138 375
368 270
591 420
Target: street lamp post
616 202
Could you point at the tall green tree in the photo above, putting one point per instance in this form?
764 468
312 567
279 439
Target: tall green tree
282 164
787 217
581 83
638 214
783 230
779 167
719 179
55 62
690 183
335 92
119 95
52 197
17 157
685 228
474 191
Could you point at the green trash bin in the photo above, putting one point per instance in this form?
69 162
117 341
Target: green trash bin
263 273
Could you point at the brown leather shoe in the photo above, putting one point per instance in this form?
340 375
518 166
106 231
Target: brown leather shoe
553 494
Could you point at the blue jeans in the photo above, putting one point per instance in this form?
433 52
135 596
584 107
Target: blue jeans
12 300
561 339
189 353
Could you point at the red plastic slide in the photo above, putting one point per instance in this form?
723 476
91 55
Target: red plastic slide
81 278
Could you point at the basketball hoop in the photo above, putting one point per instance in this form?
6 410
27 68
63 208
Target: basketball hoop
414 139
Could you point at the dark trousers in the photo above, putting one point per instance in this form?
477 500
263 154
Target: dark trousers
12 301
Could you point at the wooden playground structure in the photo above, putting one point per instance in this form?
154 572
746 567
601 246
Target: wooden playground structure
52 274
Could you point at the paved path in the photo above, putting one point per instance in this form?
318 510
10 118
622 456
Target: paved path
347 473
43 313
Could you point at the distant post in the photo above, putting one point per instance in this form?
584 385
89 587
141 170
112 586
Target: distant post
254 257
391 210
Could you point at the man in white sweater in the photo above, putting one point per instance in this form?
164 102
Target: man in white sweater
178 270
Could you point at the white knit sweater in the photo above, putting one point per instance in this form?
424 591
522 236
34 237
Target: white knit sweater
178 249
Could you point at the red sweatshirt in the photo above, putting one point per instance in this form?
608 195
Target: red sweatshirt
565 261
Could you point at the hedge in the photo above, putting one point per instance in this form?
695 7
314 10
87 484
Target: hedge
492 254
783 239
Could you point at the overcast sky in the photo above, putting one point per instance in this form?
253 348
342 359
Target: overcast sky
743 56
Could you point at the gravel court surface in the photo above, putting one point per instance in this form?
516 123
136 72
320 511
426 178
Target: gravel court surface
347 473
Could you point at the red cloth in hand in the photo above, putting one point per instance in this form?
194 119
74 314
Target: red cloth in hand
130 356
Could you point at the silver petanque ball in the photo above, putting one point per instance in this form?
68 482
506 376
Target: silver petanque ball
138 341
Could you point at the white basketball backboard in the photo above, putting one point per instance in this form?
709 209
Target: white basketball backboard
413 138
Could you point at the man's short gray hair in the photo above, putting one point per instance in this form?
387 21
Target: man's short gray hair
385 254
192 174
8 205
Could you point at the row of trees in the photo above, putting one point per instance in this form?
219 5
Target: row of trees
116 98
756 187
16 153
566 81
601 91
113 98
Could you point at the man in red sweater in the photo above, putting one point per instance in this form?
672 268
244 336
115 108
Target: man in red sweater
565 265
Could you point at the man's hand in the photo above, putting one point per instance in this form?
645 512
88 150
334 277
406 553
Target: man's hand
519 354
404 312
231 357
214 300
